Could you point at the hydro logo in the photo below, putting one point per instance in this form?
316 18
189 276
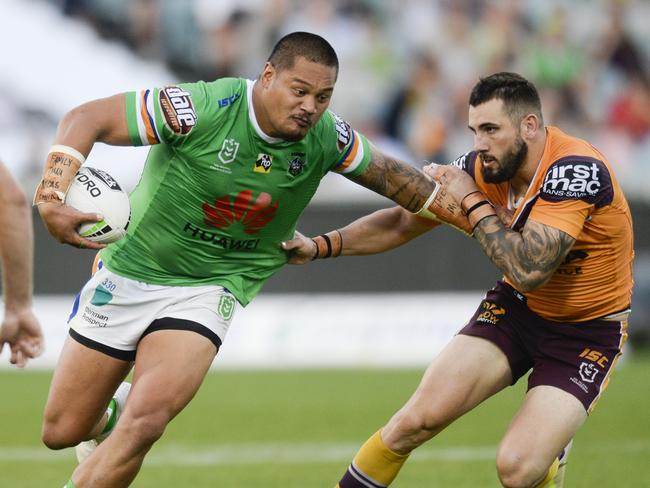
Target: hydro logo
252 214
578 178
176 105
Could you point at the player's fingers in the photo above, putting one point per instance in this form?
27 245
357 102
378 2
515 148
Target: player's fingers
82 243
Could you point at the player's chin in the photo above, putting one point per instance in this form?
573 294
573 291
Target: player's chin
296 133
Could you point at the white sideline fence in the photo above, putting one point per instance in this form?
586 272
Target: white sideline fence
312 330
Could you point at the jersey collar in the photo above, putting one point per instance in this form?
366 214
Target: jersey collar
253 118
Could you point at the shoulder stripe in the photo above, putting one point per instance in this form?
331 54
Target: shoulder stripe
353 157
145 118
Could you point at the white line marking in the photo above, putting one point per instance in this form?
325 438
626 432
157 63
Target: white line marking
279 453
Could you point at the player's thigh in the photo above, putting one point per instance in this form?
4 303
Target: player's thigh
169 368
466 372
83 383
547 420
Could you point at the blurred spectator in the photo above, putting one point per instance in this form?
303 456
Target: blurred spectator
630 111
418 110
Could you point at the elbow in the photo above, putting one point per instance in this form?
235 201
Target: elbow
13 196
527 282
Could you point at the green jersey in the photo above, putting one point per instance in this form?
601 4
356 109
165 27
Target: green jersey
217 196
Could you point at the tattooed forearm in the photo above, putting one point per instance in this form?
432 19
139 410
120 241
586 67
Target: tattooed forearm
397 180
528 258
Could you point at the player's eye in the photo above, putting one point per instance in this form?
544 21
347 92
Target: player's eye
299 91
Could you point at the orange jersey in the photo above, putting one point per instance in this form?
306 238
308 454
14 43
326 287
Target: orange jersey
574 190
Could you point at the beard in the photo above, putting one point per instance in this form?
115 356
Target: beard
508 165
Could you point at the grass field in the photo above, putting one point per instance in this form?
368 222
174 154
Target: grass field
298 429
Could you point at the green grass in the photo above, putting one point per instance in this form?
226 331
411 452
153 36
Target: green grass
300 429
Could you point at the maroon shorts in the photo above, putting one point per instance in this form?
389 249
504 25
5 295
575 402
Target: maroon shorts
575 357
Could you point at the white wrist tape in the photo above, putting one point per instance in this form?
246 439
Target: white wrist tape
70 151
424 211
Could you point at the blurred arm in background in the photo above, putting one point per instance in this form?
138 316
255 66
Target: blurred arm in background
20 328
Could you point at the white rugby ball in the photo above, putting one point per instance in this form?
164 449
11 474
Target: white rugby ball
95 191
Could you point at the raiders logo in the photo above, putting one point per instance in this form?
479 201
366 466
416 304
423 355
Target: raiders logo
578 178
176 105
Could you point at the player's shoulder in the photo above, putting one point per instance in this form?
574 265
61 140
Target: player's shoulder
219 93
575 170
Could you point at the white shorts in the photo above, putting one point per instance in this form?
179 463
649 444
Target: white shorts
112 313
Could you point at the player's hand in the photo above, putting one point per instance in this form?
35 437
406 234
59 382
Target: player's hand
62 222
505 214
300 249
457 183
21 330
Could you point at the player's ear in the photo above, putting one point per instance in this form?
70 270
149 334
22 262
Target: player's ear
529 126
268 72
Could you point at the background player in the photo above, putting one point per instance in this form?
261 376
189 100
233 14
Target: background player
20 328
233 164
561 309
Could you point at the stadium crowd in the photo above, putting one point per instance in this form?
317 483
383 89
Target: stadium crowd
406 67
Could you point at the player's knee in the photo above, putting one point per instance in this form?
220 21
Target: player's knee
57 434
517 471
409 429
144 428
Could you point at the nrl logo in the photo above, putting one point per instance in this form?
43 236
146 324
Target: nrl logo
588 372
228 151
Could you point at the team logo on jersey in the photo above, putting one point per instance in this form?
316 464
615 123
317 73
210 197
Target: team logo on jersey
263 163
176 105
343 131
253 215
297 164
491 313
588 372
228 151
578 178
226 307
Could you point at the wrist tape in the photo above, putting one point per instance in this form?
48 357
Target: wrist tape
328 245
61 165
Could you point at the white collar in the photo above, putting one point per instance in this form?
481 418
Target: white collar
253 118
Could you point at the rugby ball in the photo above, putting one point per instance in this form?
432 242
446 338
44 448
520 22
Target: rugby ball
95 191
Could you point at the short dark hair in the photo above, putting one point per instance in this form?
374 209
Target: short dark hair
310 46
519 96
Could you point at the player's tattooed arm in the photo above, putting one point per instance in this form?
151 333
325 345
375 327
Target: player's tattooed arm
529 258
397 180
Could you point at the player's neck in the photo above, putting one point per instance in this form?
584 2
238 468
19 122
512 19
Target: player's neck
521 181
259 110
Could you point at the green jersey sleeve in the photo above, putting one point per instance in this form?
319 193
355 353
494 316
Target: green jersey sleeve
353 153
173 113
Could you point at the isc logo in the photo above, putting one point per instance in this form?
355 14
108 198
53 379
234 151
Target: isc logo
595 356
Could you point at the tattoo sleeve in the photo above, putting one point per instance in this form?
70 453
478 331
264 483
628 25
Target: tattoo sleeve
529 258
397 180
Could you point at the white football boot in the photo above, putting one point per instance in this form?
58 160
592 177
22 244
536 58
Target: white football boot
83 449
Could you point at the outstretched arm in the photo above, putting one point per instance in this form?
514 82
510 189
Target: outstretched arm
374 233
412 189
20 328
